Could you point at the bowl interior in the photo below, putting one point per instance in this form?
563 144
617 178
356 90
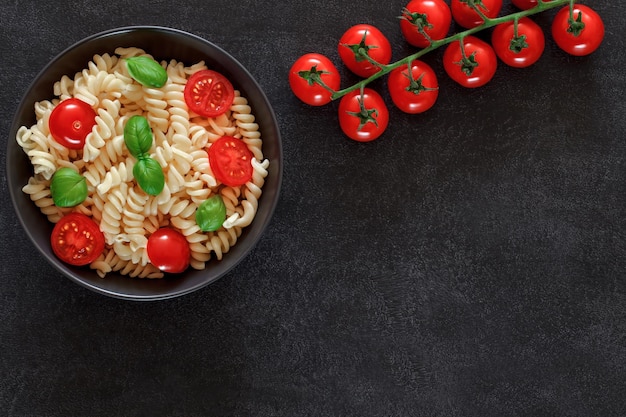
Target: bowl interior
166 44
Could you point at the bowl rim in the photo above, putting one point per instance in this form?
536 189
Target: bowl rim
269 206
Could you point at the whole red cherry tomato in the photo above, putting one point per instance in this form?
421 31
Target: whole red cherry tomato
71 121
467 17
580 36
231 161
524 4
360 41
363 118
208 93
432 16
76 239
414 93
303 73
474 68
168 250
522 50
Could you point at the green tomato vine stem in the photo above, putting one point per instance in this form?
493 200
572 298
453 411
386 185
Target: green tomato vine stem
542 5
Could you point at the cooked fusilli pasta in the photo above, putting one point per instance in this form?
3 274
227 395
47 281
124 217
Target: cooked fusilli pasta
126 214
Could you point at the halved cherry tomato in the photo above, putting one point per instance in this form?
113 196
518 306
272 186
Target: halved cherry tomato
414 94
524 4
523 50
582 35
168 250
76 239
467 17
368 40
231 161
433 16
363 118
71 121
305 70
474 69
209 93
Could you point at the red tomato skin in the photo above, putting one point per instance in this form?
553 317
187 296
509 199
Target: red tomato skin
76 239
168 250
231 161
71 121
524 4
588 40
349 124
408 101
467 17
485 56
208 93
438 15
501 40
380 50
314 95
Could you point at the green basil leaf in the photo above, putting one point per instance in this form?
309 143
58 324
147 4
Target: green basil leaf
149 175
138 136
211 214
68 188
146 71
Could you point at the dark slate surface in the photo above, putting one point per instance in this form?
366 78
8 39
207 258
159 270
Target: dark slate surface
469 263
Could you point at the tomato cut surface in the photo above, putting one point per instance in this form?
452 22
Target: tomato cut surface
71 121
209 93
77 240
231 161
168 250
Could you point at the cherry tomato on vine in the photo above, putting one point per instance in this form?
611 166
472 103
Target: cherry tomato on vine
523 50
360 41
363 118
76 239
168 250
467 17
231 161
474 66
414 93
524 4
432 16
208 93
580 36
304 73
71 121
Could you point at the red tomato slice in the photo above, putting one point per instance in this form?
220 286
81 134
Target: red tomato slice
209 93
71 121
168 250
77 240
231 161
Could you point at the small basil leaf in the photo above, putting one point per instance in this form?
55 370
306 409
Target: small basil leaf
68 188
146 71
149 175
138 135
211 214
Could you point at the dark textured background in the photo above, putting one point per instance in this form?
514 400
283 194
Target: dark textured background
469 263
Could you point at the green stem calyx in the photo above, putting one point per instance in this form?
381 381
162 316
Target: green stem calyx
576 26
419 20
417 86
313 76
361 50
364 114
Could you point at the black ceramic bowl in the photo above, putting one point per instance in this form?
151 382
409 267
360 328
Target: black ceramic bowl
162 43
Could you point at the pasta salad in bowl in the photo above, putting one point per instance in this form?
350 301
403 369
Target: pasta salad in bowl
144 162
